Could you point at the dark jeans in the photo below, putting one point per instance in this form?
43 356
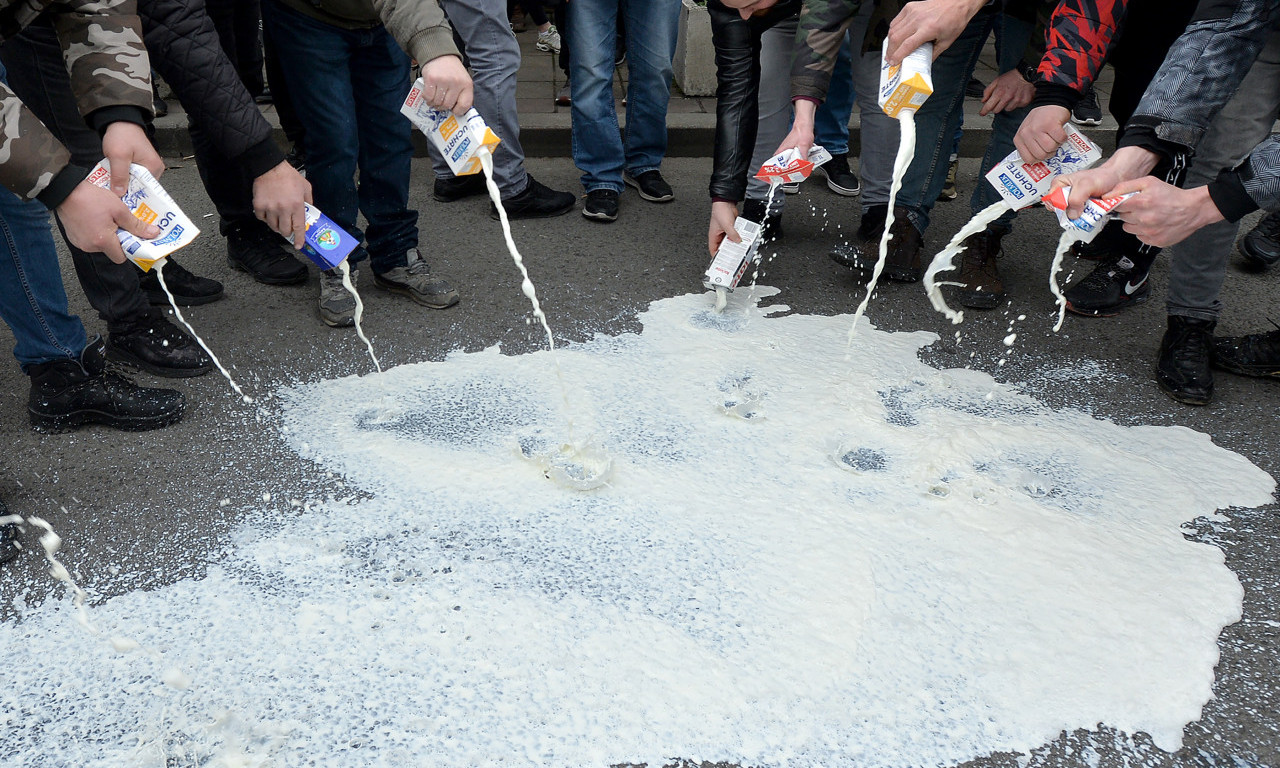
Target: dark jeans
347 86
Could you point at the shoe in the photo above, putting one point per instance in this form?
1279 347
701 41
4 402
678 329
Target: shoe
652 186
771 223
549 40
255 249
450 189
264 97
975 88
949 191
980 284
861 255
840 179
902 262
160 106
69 393
9 545
1182 370
1261 247
297 157
601 205
415 280
189 290
537 201
1086 110
518 23
791 188
1108 290
337 305
157 346
564 96
1257 354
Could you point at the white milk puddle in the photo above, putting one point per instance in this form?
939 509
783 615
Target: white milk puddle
794 564
159 268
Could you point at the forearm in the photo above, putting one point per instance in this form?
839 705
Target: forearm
36 165
819 33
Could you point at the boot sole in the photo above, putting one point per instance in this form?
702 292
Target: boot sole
1110 311
1257 374
550 214
598 216
980 300
124 357
264 279
53 423
1180 397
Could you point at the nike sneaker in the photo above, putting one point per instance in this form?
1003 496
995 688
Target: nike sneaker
1109 289
1257 354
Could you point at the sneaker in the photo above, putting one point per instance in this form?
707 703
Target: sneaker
549 40
861 255
266 256
518 23
980 284
840 179
975 88
791 188
1257 354
1261 247
153 344
189 290
415 280
601 205
1182 370
450 189
69 393
1108 290
1086 110
652 186
337 305
564 96
9 546
537 201
949 191
771 223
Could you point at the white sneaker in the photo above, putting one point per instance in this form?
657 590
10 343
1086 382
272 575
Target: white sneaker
549 40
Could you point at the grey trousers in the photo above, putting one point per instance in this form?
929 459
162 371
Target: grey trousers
494 57
1198 265
879 131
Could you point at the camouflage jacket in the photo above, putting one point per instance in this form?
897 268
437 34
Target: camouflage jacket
102 47
419 26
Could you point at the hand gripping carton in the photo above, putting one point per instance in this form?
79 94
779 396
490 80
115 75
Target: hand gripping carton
458 139
327 244
908 85
732 259
149 202
1093 218
788 166
1021 183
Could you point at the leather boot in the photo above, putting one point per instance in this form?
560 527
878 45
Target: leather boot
1182 370
980 284
69 393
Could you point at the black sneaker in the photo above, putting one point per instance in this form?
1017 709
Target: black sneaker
1257 354
601 205
537 201
69 393
155 345
266 256
450 189
1261 247
861 255
840 179
975 88
980 284
1086 110
1108 290
1182 370
652 186
9 546
189 290
771 223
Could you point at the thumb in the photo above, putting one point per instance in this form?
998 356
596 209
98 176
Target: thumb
119 175
1125 187
124 219
732 234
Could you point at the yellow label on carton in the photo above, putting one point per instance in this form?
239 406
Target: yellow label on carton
906 85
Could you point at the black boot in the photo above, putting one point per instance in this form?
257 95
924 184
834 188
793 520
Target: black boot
1182 371
157 346
188 289
68 393
252 247
9 546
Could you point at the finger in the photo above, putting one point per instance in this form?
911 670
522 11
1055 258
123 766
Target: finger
111 247
119 175
465 100
732 234
713 241
125 220
1125 187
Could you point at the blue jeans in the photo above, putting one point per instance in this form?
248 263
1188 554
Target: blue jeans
940 117
831 123
651 29
347 86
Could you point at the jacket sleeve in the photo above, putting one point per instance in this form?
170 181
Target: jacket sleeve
1253 184
419 26
821 30
186 52
1076 41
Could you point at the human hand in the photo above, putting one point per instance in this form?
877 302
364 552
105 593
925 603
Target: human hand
801 135
124 144
278 196
1127 164
723 217
447 85
939 21
91 215
1006 92
1162 214
1042 132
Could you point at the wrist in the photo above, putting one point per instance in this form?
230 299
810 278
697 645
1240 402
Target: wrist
1133 162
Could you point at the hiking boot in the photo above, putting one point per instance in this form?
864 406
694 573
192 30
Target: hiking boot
255 249
949 191
1108 290
862 253
155 345
416 281
9 545
652 186
69 393
980 284
1086 110
450 189
189 290
537 201
337 305
1261 247
601 205
1182 370
770 223
1257 354
549 40
902 264
840 179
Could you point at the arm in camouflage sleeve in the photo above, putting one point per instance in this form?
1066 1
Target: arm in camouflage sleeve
821 29
31 159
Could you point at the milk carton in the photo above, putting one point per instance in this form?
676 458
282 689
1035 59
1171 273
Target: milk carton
907 85
148 201
327 244
1021 184
789 167
731 258
1092 219
458 139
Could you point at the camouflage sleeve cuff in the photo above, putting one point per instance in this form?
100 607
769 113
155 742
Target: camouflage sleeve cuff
1228 193
99 119
58 190
261 157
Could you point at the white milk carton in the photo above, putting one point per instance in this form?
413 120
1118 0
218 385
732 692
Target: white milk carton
458 139
149 202
732 258
908 85
1021 184
1096 213
789 167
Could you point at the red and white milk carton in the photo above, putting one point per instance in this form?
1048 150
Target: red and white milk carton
789 167
1096 213
1021 183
